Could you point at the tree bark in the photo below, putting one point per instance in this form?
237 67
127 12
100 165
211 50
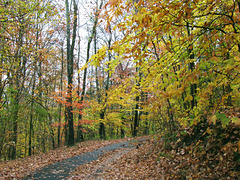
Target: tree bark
70 56
31 119
136 111
193 86
102 133
60 105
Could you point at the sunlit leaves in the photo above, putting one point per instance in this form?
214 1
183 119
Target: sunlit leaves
99 56
179 45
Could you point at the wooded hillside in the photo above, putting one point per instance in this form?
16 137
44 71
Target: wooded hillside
72 71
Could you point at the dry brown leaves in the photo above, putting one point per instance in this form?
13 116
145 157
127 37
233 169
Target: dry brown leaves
98 169
150 161
22 167
153 161
118 164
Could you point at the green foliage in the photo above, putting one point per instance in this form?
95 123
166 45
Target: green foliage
223 118
174 68
22 49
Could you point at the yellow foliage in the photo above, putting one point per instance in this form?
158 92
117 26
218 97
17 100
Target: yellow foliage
213 119
235 121
97 58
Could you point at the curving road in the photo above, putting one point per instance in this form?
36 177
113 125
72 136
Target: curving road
62 169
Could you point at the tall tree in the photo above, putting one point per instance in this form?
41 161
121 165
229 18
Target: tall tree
93 33
70 57
188 60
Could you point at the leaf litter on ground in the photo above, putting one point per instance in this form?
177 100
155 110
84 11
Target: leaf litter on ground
153 161
146 160
19 168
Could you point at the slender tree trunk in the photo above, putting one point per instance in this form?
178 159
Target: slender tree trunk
88 56
15 126
122 130
79 130
102 132
238 1
31 131
31 119
60 105
66 126
136 118
70 83
70 51
136 111
16 91
193 86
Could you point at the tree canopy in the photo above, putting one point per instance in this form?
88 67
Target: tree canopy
165 67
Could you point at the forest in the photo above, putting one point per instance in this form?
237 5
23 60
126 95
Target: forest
73 71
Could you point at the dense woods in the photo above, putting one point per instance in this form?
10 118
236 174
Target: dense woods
72 71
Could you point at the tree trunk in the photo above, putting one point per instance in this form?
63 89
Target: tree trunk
122 131
136 118
88 56
136 111
66 126
70 51
60 105
193 86
31 120
79 129
102 133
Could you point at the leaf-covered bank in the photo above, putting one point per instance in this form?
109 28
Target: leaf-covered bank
152 160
